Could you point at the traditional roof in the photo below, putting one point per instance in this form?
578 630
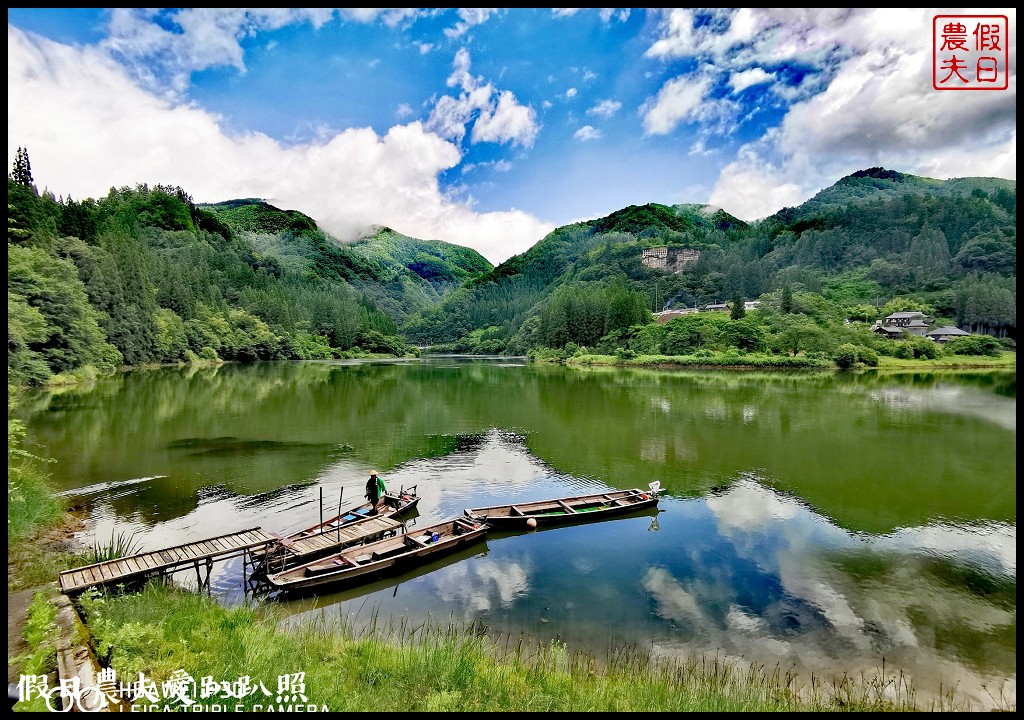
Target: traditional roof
948 330
906 314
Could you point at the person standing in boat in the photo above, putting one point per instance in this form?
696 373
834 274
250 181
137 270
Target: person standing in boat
374 491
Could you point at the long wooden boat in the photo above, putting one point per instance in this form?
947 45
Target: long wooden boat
353 526
399 505
364 563
564 511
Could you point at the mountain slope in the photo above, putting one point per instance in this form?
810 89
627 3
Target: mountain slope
874 234
399 274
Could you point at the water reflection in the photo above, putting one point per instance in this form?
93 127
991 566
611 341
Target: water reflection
746 573
817 521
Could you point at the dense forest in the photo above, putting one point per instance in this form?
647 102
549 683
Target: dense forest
947 248
145 275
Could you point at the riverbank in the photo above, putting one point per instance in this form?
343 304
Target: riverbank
439 666
732 361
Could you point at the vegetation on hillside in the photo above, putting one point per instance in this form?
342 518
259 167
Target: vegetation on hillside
144 275
874 237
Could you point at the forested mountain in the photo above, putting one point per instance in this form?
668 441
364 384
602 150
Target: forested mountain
399 274
874 235
143 275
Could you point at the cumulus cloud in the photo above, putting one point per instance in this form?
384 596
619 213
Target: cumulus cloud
752 189
678 100
570 93
497 116
585 133
865 99
605 108
176 42
123 134
468 18
748 78
508 121
620 14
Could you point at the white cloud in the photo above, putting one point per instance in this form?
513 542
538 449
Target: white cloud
469 17
570 93
606 14
748 78
404 111
508 121
499 117
425 47
678 100
163 47
605 108
866 100
496 165
750 188
586 133
564 12
123 135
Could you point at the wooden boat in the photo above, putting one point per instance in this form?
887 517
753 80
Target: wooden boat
363 563
565 511
399 505
354 526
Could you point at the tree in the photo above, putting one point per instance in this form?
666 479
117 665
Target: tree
738 309
22 172
787 300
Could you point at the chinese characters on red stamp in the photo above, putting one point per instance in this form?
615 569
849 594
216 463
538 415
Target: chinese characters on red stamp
970 52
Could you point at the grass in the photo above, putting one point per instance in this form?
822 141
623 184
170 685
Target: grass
442 666
723 360
41 635
120 545
1005 359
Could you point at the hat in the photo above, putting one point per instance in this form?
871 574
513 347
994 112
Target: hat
372 473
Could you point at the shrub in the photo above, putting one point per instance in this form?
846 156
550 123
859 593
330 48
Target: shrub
867 356
846 356
974 345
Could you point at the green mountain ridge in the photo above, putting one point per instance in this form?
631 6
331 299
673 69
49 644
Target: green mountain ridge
145 275
401 275
874 234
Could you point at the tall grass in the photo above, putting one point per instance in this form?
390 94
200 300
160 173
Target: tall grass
120 545
32 508
31 503
446 666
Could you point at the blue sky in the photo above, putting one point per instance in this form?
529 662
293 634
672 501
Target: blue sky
490 127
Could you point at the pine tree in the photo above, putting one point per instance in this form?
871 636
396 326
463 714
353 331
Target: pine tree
787 300
22 172
738 309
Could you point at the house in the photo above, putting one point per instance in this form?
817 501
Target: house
903 323
717 307
751 304
943 334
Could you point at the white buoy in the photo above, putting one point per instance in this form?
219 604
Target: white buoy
531 523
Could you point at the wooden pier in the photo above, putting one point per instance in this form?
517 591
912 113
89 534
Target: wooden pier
199 554
290 551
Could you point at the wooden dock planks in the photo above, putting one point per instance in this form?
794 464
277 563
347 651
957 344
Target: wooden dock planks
111 572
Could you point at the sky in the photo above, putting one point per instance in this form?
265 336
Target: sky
489 127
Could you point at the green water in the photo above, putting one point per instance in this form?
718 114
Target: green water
822 521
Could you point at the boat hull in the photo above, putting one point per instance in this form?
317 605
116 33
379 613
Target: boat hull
564 511
356 571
